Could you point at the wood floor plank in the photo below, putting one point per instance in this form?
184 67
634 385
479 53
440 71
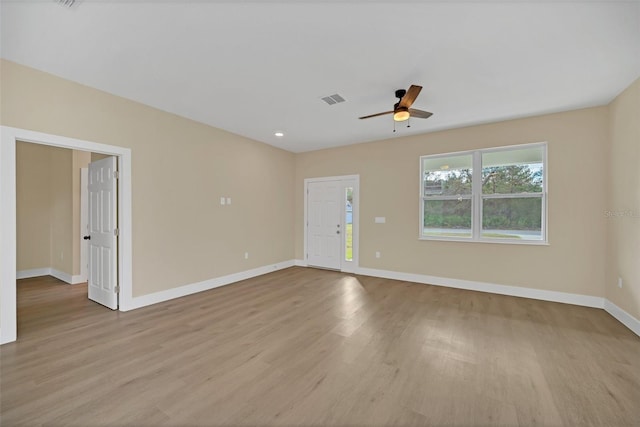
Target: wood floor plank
309 347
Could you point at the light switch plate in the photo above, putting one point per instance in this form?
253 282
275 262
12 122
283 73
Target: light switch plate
222 200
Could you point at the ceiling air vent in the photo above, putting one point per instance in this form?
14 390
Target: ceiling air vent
67 3
333 99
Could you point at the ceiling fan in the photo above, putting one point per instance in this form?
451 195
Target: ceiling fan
402 109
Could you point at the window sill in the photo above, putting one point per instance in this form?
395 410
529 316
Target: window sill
498 241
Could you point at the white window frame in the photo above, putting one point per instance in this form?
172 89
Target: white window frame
477 197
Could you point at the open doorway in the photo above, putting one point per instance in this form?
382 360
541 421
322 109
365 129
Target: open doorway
48 211
66 218
8 251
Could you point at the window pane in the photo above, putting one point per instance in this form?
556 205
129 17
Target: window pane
348 225
512 171
449 175
447 218
513 218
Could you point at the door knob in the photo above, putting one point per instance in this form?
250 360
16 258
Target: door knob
87 237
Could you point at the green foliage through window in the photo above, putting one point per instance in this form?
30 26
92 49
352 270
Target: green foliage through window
508 198
512 179
447 213
448 183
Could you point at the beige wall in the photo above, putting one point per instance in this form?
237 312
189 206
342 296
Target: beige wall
61 210
33 200
80 159
97 156
180 169
623 202
389 187
48 207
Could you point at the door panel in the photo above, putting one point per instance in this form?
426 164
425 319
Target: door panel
324 229
103 243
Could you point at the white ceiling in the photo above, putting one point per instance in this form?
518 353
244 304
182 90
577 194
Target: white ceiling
257 67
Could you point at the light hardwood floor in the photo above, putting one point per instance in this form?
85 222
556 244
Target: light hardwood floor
310 347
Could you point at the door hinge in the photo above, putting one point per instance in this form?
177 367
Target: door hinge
116 174
116 232
116 289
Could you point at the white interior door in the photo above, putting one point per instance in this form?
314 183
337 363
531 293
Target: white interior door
103 230
324 224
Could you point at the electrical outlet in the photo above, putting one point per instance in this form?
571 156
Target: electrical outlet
377 254
620 282
246 255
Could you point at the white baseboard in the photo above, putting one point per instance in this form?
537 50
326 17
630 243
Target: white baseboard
169 294
61 275
622 316
6 340
516 291
48 271
77 279
563 297
33 272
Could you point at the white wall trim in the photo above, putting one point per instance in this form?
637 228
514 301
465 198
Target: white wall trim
48 271
61 275
540 294
66 277
8 138
516 291
169 294
77 279
33 272
568 298
622 316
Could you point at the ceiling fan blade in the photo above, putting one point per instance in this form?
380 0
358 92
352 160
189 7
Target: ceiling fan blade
419 113
376 115
410 96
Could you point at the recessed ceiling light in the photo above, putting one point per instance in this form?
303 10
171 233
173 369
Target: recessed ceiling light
279 134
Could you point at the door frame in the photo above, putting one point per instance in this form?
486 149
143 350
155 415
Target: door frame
345 266
8 138
84 221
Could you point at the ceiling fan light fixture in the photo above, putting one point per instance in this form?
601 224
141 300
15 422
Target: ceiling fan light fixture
401 114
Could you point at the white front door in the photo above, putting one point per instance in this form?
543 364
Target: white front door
324 228
103 228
